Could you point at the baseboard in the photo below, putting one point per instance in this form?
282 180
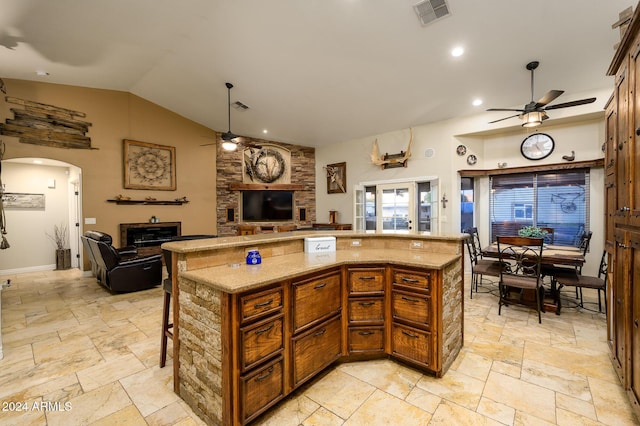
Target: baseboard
39 268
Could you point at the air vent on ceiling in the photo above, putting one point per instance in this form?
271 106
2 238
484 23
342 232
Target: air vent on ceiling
431 10
239 105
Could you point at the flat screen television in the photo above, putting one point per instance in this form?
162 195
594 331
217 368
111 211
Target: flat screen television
266 206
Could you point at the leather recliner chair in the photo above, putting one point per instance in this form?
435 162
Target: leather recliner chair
122 270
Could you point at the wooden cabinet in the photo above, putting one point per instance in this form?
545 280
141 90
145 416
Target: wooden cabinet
412 337
366 308
315 299
622 231
259 350
315 349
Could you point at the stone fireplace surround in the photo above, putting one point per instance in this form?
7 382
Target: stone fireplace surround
229 172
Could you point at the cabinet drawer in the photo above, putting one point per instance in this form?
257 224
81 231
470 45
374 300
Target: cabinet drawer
369 309
255 305
370 280
366 339
420 280
411 307
315 299
260 389
315 349
410 343
260 340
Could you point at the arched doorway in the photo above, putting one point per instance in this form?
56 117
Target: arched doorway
44 194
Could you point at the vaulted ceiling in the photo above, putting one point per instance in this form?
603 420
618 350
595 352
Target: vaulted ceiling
313 72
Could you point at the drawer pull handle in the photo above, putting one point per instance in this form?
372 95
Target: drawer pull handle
406 333
367 278
408 299
260 305
366 304
320 285
320 333
635 322
365 333
264 330
410 280
265 375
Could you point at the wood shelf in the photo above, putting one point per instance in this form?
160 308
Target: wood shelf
266 186
150 202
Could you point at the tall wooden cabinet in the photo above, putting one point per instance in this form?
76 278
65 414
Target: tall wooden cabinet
622 230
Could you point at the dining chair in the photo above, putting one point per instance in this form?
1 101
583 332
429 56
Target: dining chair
579 281
553 270
479 266
520 258
549 237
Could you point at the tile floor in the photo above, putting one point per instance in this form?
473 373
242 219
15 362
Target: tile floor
76 355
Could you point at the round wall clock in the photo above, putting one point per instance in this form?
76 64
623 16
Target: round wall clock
537 146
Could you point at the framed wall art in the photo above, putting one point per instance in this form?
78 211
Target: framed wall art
22 201
149 166
336 178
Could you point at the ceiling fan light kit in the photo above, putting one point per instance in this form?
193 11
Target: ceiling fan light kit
534 113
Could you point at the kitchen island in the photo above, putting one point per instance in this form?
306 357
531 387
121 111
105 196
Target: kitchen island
245 336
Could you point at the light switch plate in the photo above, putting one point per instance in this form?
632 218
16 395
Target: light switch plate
89 220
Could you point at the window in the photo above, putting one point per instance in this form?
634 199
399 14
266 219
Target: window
557 200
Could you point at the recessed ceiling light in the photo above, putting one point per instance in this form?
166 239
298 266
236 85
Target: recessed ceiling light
37 161
477 102
457 51
265 131
42 73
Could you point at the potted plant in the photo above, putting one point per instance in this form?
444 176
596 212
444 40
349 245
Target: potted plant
60 240
532 231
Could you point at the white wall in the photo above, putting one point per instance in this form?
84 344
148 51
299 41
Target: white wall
30 248
580 129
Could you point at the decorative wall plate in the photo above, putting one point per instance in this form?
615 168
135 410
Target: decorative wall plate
461 150
471 160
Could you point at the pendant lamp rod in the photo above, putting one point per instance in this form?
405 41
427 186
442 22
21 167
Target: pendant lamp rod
229 87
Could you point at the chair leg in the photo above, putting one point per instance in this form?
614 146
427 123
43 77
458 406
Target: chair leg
538 298
165 329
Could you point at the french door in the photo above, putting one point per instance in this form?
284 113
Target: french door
396 207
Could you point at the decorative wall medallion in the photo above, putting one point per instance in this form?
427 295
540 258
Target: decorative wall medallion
461 150
472 159
149 166
269 164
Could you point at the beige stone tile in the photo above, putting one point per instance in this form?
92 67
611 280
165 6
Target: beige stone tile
523 396
109 371
557 379
22 414
455 387
49 350
91 406
330 392
150 389
496 411
293 411
452 414
506 368
502 351
424 400
382 408
526 419
389 376
323 417
148 350
576 406
612 406
474 365
169 415
581 360
129 416
17 357
569 418
113 342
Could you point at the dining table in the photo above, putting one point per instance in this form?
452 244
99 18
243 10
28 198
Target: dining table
551 255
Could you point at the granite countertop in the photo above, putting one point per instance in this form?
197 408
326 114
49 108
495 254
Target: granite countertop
236 278
188 246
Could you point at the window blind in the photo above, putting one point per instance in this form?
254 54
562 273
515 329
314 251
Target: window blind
558 200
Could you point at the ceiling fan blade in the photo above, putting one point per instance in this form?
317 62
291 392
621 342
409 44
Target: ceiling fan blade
506 118
548 97
571 104
505 109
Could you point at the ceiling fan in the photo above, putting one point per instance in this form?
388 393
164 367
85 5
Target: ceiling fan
534 113
231 141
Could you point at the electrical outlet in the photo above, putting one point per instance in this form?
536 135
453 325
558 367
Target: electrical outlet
356 243
89 220
416 244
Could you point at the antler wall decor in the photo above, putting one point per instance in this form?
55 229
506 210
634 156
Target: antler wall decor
389 161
